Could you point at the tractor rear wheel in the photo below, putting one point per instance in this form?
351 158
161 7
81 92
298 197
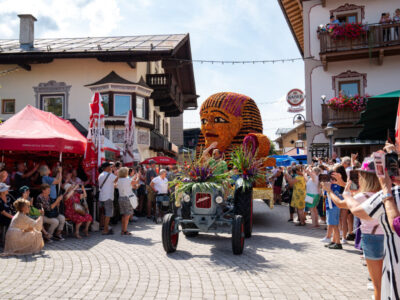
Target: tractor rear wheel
238 235
169 238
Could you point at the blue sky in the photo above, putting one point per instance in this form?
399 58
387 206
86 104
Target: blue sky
219 30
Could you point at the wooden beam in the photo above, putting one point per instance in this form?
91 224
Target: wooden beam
132 64
25 67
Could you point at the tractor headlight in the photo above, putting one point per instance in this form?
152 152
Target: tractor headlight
219 199
186 198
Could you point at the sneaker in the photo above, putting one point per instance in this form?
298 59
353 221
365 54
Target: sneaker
335 246
344 241
370 286
328 245
58 237
351 237
325 240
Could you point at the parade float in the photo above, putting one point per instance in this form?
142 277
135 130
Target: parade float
215 192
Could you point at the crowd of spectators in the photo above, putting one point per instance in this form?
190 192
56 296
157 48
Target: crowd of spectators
45 198
355 205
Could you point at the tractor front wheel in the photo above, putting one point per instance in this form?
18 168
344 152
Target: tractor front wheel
237 235
169 237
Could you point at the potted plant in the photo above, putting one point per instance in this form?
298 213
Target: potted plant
355 103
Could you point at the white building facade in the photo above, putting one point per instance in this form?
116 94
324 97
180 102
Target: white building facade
367 65
61 75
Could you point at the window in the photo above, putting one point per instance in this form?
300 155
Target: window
122 104
349 88
53 104
106 104
141 107
302 136
8 106
348 18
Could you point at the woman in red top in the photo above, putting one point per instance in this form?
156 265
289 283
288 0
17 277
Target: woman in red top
72 196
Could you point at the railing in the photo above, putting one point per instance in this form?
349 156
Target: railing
339 117
377 36
158 81
159 142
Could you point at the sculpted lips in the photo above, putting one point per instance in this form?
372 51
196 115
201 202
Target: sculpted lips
208 134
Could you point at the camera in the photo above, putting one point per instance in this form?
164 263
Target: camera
392 164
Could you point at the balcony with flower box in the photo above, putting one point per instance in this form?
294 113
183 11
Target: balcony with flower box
354 41
343 111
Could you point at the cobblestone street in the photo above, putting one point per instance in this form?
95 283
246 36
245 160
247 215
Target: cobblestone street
280 261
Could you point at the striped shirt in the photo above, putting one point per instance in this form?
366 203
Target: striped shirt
390 288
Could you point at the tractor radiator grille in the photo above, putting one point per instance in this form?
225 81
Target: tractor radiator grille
203 200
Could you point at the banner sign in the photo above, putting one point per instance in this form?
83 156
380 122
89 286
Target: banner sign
295 99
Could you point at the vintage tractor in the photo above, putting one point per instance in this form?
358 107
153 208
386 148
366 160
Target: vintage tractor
210 212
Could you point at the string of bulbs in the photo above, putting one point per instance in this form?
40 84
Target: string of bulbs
238 62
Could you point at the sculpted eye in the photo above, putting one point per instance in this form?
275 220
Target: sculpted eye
220 120
203 121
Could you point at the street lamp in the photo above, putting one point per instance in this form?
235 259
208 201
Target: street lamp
299 119
329 131
323 98
299 144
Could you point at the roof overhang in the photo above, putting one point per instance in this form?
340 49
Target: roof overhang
293 12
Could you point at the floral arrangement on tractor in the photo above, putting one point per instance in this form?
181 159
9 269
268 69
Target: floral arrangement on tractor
201 194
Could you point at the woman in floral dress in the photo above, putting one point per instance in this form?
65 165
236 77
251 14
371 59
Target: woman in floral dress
72 196
299 193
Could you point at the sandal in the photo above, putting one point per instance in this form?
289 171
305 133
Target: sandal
110 232
125 233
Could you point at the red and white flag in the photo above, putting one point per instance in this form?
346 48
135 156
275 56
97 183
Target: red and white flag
131 152
94 154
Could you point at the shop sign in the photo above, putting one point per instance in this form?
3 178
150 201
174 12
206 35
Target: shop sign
295 99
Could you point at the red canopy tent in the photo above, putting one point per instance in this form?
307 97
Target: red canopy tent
32 129
160 160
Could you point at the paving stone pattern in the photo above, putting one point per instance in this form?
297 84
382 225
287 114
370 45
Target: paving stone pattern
280 261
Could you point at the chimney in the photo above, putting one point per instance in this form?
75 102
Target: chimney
26 31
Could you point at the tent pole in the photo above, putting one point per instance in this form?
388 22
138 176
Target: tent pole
60 160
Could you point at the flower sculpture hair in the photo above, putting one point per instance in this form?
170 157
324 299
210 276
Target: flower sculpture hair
235 116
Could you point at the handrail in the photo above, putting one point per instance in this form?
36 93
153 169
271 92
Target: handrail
377 35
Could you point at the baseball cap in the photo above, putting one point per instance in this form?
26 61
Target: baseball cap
106 164
4 187
23 189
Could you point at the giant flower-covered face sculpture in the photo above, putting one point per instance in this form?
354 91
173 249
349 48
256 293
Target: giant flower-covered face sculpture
226 119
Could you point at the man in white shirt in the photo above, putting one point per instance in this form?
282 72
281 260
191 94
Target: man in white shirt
106 196
160 186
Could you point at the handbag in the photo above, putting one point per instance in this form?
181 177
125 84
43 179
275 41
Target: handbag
79 209
133 200
309 199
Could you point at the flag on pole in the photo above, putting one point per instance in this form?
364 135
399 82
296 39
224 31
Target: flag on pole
397 128
131 152
94 154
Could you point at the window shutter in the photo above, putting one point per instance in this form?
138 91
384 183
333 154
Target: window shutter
133 105
111 104
147 109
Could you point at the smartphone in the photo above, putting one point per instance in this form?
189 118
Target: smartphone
392 164
379 161
324 178
354 180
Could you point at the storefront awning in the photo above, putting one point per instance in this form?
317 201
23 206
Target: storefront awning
379 116
357 142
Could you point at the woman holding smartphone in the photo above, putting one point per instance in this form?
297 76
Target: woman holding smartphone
371 232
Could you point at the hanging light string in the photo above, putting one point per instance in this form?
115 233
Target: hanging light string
239 62
5 72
